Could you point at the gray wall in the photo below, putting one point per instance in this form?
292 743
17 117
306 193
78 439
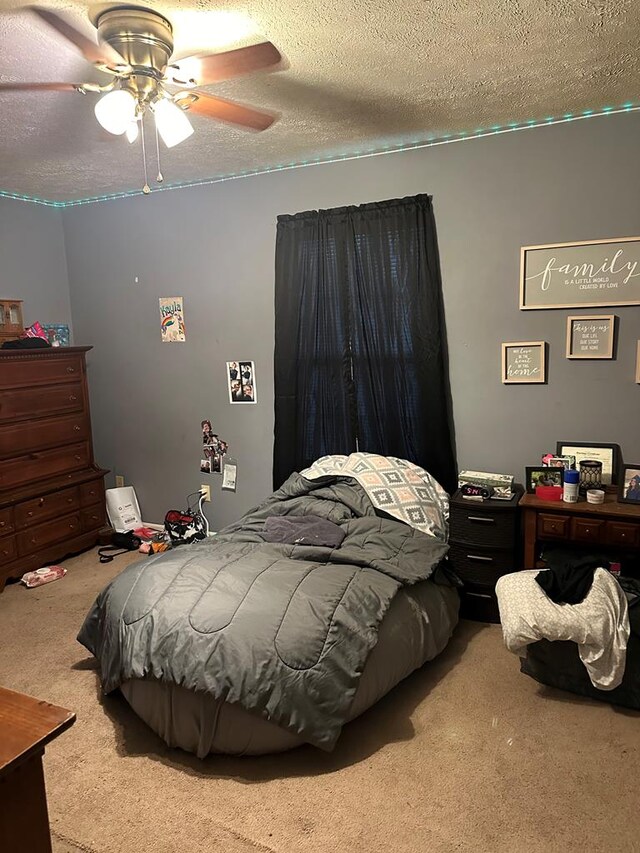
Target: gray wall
33 266
215 246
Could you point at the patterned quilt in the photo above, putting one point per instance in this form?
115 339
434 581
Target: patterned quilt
399 488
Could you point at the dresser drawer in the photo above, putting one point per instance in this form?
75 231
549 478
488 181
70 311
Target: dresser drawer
92 492
482 566
587 529
39 371
20 438
552 526
470 524
92 517
46 463
622 534
31 403
49 506
47 534
8 550
6 522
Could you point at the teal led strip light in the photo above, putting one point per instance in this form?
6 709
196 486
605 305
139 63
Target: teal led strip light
391 148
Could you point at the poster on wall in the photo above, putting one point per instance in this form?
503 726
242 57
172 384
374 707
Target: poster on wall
594 273
524 362
241 381
172 326
590 336
213 449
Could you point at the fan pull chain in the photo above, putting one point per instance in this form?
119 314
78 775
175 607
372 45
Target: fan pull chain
146 189
160 177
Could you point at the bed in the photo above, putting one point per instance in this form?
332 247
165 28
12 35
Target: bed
245 646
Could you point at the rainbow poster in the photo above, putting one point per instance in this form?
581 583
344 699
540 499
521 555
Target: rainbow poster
172 319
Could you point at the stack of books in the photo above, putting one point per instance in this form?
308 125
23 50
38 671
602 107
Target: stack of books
499 486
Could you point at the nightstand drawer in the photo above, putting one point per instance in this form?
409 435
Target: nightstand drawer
479 604
480 565
473 524
551 526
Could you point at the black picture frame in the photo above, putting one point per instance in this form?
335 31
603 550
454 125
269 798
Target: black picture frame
623 490
615 457
548 472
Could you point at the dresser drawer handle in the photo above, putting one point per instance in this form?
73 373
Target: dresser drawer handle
72 398
480 559
2 523
69 500
484 518
71 370
72 524
78 457
30 513
77 428
5 553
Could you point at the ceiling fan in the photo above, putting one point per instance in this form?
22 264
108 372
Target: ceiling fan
135 47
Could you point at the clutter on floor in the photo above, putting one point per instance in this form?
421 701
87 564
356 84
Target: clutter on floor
42 576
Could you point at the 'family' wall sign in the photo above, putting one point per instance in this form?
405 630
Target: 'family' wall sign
594 273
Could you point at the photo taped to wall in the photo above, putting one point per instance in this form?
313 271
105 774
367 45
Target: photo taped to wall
241 381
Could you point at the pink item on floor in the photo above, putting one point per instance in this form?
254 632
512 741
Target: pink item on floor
40 576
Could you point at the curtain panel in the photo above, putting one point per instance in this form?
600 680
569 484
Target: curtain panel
360 340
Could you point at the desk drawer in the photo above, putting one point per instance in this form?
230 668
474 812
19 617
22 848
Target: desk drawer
47 463
481 566
49 506
552 526
471 524
587 529
20 438
622 534
17 372
47 534
32 403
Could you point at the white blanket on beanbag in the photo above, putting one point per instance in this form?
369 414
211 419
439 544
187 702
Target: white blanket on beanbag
599 624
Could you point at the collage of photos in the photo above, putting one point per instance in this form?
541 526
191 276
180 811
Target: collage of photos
213 449
241 379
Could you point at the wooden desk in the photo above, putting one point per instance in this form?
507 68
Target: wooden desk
26 727
612 524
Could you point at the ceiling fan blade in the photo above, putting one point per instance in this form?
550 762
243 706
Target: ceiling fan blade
210 106
202 70
40 87
98 54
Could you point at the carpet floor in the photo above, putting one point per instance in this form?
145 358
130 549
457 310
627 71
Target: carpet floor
465 755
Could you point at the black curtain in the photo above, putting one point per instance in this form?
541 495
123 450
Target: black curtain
360 341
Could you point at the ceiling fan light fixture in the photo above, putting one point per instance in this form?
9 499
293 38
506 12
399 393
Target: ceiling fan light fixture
172 123
116 110
132 131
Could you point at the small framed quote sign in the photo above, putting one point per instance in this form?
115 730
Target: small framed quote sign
524 361
591 274
590 336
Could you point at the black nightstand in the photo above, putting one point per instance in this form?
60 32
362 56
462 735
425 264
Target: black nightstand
484 544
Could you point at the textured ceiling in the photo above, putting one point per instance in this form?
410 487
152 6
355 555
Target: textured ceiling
364 74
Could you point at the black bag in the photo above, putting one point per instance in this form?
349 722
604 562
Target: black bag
120 544
188 526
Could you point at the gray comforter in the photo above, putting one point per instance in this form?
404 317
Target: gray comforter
284 630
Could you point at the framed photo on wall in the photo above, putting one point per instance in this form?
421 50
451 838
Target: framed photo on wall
589 274
629 488
590 336
608 454
524 362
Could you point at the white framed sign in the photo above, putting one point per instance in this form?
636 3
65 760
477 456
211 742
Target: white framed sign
524 362
590 336
590 274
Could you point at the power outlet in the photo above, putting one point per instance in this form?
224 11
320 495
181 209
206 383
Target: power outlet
119 481
206 489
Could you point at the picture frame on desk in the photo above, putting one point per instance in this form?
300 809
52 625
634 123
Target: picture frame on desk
543 475
629 484
608 454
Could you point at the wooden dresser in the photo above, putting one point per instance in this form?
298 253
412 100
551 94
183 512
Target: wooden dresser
51 492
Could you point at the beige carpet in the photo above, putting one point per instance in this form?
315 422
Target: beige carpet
466 755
